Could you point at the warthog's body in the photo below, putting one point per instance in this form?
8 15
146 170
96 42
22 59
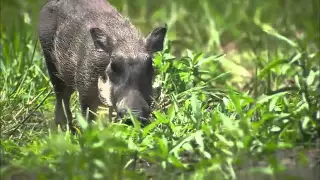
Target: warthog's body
83 40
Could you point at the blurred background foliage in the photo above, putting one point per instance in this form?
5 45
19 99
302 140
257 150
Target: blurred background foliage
239 28
212 24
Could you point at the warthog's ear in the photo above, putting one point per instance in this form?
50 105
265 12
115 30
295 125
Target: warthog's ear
101 40
154 41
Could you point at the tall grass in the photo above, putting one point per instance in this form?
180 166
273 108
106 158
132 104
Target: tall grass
236 97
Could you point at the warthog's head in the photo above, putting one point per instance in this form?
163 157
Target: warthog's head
126 84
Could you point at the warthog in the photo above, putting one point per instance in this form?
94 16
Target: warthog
90 47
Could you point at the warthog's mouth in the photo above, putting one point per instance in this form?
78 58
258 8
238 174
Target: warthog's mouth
126 117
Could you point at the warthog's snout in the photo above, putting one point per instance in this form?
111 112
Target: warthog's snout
141 115
133 103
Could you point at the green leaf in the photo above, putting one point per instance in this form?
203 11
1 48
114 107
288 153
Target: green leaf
199 139
209 59
273 103
176 148
197 58
27 19
297 81
264 98
187 147
264 170
82 122
270 30
163 144
275 129
171 112
271 65
196 107
176 162
227 122
99 163
311 77
160 118
224 140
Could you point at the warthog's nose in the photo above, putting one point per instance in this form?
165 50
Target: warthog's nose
139 114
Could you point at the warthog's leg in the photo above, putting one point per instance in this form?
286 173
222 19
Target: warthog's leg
62 115
89 106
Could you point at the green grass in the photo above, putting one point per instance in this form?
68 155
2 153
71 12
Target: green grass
236 95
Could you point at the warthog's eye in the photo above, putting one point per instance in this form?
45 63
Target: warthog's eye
115 68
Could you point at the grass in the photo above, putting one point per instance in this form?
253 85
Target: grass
236 96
